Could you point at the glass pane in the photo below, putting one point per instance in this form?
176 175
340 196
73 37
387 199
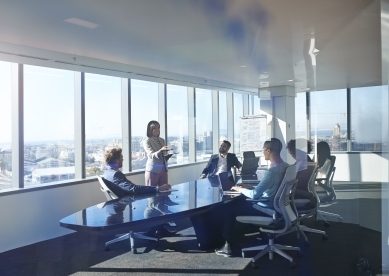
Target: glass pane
301 115
368 106
6 126
144 108
257 106
329 118
48 125
103 128
238 112
223 134
203 124
177 123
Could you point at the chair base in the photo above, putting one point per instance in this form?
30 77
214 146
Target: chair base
130 236
322 214
271 248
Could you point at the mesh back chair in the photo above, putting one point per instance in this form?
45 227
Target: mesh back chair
282 219
329 193
121 237
249 166
306 200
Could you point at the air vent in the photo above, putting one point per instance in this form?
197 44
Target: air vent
26 56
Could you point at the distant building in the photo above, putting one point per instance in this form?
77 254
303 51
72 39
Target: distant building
47 175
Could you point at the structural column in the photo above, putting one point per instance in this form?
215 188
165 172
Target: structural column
278 104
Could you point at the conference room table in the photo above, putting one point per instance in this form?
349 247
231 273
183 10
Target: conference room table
201 200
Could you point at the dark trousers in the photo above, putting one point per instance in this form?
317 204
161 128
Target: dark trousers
232 229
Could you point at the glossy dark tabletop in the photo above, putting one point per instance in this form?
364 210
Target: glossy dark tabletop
185 200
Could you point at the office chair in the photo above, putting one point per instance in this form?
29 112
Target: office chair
329 193
282 219
121 237
249 166
306 200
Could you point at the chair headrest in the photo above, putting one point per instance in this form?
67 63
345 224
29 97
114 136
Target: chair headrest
248 154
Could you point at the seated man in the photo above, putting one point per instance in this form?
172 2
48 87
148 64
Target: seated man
266 189
300 155
120 185
222 162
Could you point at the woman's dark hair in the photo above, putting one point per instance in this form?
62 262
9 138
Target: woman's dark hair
112 155
150 127
323 153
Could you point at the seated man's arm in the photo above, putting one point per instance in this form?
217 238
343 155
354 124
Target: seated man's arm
237 163
265 184
207 169
125 184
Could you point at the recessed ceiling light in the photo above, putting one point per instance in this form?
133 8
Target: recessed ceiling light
81 22
243 66
290 80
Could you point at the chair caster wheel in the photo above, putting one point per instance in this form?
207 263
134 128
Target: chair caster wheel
134 251
293 265
326 224
107 248
307 243
254 265
325 237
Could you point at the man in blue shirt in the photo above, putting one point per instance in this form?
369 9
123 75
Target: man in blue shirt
266 189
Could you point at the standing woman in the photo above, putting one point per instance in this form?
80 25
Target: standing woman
156 149
323 159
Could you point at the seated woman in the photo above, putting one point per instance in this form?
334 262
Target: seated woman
323 159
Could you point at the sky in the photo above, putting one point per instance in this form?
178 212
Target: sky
49 105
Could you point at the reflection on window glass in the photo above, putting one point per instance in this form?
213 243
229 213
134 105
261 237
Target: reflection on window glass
177 123
301 115
369 107
6 127
204 138
223 134
238 112
257 105
103 129
144 108
329 118
48 125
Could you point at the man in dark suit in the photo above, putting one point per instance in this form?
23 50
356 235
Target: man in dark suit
222 162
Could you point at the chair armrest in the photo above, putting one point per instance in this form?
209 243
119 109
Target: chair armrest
258 200
320 179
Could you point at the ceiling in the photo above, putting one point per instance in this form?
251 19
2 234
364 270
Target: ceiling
245 44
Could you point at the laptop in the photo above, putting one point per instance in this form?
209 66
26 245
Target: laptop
226 184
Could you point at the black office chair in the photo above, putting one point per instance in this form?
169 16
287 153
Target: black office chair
306 200
249 166
121 237
329 195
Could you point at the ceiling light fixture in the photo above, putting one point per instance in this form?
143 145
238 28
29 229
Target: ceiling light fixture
290 80
81 23
243 66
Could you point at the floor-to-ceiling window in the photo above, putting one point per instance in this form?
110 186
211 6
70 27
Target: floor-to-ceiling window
6 126
369 107
223 117
144 108
204 138
329 118
177 123
301 116
103 129
48 125
238 113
